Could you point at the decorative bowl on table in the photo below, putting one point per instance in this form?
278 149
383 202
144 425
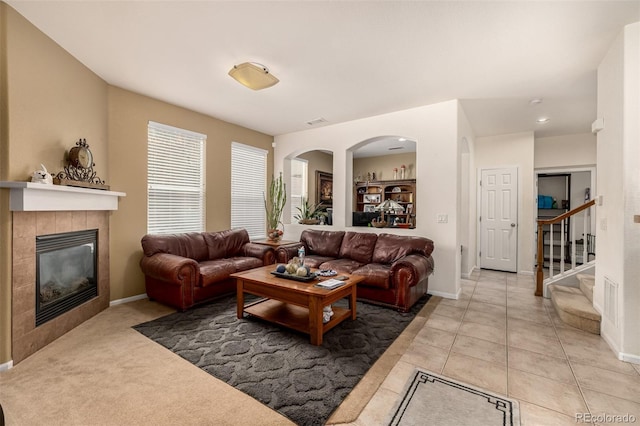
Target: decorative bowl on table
326 273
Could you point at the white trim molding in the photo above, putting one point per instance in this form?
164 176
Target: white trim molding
128 299
28 196
6 366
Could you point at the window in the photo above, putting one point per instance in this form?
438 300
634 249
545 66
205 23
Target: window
175 179
248 185
299 171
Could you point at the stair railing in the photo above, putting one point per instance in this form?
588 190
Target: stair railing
587 237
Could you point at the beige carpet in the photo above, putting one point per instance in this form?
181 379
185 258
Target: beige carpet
105 373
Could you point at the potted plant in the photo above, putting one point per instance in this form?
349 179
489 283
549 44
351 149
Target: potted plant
308 215
274 202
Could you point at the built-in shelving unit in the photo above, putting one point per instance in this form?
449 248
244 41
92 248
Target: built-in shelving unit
367 195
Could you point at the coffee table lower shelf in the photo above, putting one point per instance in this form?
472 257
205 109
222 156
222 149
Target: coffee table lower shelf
292 316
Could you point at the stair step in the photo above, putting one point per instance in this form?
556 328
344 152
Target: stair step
587 282
574 308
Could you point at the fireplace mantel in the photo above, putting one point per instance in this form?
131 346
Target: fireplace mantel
28 196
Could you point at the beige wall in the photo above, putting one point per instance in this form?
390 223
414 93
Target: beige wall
129 115
52 101
383 166
318 161
49 100
565 151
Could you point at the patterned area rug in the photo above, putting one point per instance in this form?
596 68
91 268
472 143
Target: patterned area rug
448 402
278 366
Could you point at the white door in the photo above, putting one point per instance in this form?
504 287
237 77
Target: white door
499 219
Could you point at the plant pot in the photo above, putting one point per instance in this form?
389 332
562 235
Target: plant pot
309 221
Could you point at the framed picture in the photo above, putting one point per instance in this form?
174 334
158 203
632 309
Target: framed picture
369 207
409 208
371 198
324 188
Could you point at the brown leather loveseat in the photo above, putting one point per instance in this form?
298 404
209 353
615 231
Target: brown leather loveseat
182 270
396 267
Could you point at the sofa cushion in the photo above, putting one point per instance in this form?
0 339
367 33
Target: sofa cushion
390 248
244 263
341 265
358 246
314 261
212 271
376 275
323 243
189 245
226 243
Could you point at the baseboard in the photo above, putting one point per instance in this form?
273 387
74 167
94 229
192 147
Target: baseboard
527 273
467 275
633 359
128 299
6 366
445 295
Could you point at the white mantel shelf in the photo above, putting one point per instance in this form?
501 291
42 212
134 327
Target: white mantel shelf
28 197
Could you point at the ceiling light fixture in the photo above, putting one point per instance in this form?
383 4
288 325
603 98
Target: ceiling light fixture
535 101
542 120
253 75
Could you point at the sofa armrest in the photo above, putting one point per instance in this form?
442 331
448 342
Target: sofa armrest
411 269
170 268
260 251
285 253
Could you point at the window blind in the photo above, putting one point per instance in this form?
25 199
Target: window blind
175 180
248 186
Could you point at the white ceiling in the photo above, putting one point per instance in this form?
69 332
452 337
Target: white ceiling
344 60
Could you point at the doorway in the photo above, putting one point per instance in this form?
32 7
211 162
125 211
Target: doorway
499 219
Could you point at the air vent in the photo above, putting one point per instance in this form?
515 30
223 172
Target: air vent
316 121
395 147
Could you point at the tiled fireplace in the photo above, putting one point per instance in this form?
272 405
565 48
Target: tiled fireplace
42 214
27 338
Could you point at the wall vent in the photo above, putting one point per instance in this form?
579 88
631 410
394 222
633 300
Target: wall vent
611 301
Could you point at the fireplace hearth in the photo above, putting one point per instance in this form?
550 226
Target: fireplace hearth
66 272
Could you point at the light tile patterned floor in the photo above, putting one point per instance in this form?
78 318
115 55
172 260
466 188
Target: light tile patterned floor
499 336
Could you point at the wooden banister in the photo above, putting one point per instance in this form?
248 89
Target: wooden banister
563 216
540 254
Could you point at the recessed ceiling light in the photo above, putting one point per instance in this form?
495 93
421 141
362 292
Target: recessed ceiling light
402 139
542 120
535 101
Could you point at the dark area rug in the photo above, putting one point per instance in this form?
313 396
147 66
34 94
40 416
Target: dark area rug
278 366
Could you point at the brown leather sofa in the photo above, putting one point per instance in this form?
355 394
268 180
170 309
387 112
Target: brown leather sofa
182 270
396 267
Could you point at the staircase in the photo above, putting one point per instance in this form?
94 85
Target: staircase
575 305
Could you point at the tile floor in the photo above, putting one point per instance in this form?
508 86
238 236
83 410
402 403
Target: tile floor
500 337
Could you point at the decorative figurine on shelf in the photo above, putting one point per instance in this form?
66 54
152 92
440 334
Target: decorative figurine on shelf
42 176
327 313
402 172
79 169
395 173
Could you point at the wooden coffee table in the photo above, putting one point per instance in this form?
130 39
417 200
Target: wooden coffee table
294 304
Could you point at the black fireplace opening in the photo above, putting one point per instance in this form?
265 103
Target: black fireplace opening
66 272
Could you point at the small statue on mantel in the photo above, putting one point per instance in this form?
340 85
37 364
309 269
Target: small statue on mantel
42 176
